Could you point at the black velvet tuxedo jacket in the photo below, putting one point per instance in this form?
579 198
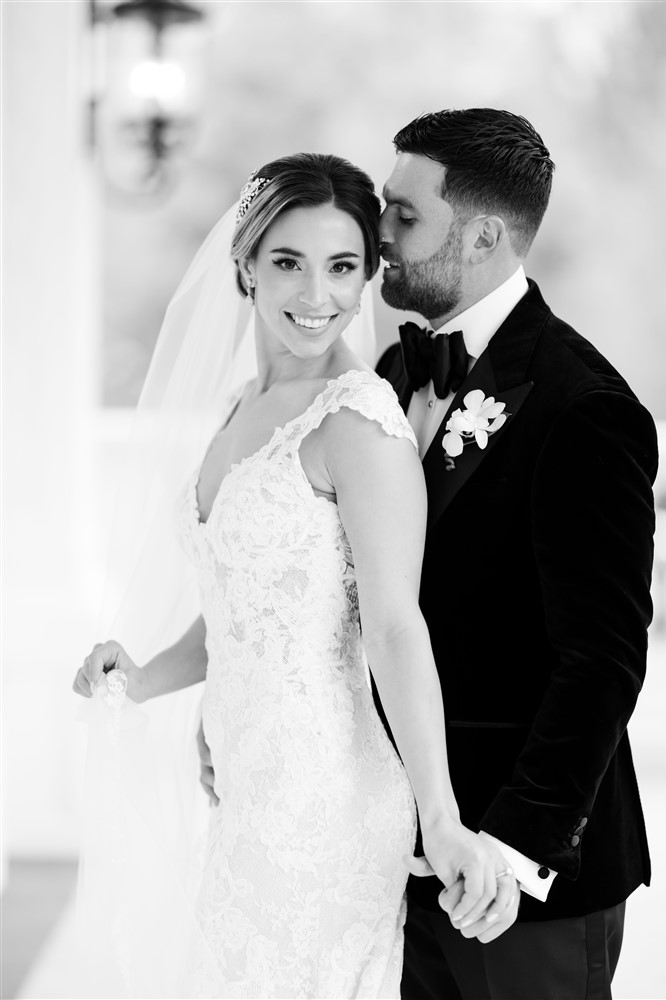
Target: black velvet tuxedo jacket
535 589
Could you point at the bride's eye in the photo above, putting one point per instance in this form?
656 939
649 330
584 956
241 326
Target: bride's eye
286 264
343 267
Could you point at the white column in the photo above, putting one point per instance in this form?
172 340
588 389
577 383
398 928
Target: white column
49 332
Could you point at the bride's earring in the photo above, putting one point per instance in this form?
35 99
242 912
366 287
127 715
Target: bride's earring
358 308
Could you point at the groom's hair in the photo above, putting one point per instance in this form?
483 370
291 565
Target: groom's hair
496 164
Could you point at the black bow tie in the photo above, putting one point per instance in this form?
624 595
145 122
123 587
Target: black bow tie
442 359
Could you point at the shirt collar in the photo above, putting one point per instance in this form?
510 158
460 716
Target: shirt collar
483 319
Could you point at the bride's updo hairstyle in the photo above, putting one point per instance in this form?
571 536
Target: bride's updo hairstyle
305 180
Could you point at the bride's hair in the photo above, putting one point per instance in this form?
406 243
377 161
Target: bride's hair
307 180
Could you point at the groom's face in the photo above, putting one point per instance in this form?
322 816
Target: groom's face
421 241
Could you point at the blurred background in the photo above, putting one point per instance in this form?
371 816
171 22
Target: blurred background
127 130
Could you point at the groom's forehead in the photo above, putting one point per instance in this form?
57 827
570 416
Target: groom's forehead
414 178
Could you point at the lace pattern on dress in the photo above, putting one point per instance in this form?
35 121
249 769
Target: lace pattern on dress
303 891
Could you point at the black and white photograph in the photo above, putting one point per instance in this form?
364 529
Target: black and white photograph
333 520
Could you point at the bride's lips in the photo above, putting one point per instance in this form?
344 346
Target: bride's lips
313 323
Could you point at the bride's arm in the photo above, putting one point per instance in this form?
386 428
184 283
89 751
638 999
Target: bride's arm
382 502
179 666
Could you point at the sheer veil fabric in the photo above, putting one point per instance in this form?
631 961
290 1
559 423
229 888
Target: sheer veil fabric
145 813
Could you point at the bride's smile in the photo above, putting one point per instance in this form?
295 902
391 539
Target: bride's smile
311 322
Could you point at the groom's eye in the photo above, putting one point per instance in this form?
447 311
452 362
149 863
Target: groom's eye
406 220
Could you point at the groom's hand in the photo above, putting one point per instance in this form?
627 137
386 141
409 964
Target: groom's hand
481 894
207 775
499 916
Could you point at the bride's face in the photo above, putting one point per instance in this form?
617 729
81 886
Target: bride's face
308 275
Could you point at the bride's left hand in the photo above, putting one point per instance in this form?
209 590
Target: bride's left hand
481 894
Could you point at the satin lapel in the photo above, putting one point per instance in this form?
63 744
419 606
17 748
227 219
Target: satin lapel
400 383
391 368
404 393
443 485
501 371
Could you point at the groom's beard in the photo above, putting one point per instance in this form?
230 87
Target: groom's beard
430 287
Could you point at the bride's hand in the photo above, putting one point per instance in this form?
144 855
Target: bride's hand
109 655
481 893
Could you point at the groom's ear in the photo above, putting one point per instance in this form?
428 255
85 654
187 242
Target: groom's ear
485 234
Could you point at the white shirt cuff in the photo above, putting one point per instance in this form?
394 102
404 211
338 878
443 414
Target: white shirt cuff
526 870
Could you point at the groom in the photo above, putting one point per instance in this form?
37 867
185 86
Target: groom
537 565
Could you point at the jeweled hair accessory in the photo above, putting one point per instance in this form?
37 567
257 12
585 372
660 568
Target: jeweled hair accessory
249 193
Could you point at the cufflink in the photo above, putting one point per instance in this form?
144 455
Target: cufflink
543 872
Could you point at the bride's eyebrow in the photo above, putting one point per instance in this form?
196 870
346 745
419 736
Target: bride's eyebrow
287 250
296 253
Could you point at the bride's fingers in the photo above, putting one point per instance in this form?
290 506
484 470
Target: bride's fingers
81 684
418 866
450 896
104 654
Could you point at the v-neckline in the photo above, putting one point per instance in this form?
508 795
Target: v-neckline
235 466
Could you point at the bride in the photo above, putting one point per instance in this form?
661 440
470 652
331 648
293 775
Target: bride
305 519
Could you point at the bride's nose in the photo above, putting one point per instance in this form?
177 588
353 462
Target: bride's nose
314 292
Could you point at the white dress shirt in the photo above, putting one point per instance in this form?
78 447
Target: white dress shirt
478 324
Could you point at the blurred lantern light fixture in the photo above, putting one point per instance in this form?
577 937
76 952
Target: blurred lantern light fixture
149 92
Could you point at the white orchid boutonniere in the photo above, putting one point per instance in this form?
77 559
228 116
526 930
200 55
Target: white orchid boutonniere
480 417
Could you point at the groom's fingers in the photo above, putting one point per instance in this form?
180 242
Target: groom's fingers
507 892
487 926
502 924
486 932
479 892
477 897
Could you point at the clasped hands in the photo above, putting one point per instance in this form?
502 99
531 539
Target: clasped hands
481 895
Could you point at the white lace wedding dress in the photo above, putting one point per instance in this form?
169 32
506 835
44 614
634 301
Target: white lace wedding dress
303 889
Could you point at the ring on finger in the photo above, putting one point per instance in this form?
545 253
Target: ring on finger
503 873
